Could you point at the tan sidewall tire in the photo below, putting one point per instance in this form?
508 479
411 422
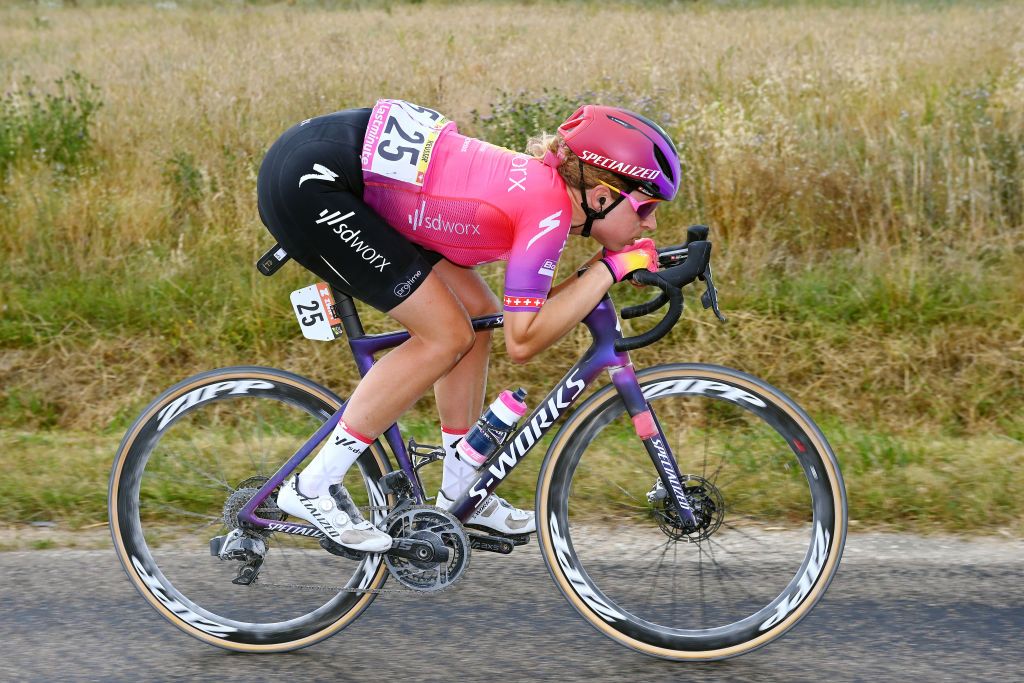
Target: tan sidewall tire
228 374
600 401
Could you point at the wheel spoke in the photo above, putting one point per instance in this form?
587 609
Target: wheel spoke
183 480
740 478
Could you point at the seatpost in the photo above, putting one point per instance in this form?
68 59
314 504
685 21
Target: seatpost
349 316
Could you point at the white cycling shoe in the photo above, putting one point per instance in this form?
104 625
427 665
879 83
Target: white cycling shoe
496 514
335 515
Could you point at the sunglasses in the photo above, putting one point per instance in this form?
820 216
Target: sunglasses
643 208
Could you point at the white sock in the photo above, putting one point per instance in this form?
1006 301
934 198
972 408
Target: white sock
343 447
457 475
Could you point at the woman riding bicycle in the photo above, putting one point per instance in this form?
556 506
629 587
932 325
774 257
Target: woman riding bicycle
394 207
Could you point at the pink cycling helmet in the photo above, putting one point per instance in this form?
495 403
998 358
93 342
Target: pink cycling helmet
627 144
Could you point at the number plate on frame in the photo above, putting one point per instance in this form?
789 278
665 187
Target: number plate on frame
314 309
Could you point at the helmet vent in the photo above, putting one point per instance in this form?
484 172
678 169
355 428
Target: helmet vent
666 167
624 124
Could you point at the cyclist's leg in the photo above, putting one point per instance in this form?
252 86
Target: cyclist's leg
460 399
441 335
310 204
460 393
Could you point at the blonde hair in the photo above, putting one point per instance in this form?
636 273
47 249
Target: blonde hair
569 168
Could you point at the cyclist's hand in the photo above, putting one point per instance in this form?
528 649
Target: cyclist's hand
641 255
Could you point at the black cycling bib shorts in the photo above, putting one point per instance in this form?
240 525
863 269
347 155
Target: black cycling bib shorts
310 189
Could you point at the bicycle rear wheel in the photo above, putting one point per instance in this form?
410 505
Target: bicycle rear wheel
766 488
186 467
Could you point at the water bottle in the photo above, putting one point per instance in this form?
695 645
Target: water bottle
492 428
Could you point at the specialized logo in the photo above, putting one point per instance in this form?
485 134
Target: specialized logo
575 577
179 609
352 239
202 394
544 417
517 174
670 470
819 553
595 159
403 288
321 172
295 529
419 219
702 386
548 268
546 226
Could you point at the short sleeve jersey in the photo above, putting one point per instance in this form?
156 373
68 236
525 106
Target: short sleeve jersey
468 200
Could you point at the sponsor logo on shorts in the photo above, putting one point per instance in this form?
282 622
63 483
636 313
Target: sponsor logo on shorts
403 288
548 268
320 172
352 238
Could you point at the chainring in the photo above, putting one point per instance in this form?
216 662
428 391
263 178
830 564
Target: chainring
428 523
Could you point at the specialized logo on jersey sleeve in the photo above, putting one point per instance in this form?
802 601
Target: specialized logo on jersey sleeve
546 226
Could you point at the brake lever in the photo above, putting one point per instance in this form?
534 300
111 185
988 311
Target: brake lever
710 296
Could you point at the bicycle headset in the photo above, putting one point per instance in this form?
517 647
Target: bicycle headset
627 144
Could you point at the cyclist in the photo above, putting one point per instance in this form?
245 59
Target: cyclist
393 206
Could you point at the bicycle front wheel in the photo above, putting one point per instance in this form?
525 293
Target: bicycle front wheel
768 496
191 461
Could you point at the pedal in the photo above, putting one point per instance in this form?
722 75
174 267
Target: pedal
340 550
519 539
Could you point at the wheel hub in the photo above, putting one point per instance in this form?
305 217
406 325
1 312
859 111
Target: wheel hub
708 509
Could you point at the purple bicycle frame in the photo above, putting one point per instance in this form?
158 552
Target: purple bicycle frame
603 324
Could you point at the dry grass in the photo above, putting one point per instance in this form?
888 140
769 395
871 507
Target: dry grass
862 168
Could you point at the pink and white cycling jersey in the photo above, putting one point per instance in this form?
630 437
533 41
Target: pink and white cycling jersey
468 200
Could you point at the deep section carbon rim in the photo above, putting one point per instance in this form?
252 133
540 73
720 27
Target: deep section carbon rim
766 490
189 463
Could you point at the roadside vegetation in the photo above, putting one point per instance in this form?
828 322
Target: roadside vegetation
861 167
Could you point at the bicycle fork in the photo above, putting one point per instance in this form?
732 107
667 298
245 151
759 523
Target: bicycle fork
649 431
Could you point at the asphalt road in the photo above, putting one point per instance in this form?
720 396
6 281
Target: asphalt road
901 608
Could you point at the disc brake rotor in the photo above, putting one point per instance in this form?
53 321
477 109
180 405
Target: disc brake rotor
708 508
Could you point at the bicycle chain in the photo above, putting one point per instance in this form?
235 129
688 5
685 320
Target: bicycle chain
258 582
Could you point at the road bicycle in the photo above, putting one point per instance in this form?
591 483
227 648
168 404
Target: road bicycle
687 511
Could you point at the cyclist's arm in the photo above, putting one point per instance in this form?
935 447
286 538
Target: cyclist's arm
528 333
572 278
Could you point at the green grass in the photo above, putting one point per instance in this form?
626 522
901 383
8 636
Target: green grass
864 187
926 483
